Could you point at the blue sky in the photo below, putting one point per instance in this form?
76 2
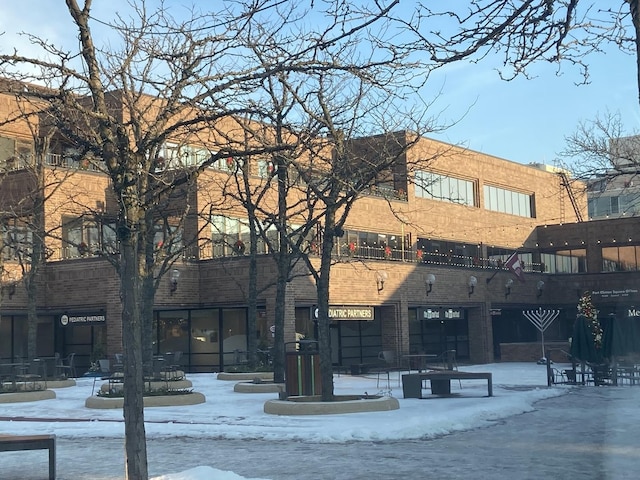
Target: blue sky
522 120
527 120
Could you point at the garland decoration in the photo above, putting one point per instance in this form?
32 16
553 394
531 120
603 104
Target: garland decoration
239 247
586 308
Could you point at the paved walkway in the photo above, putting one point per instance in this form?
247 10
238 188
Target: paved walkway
582 435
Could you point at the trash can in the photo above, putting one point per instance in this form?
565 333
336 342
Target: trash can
302 373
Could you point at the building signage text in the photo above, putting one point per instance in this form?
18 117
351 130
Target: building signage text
349 313
615 293
437 313
68 320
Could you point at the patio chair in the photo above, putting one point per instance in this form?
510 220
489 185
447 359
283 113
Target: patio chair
173 363
448 359
390 364
118 364
104 371
66 366
558 377
449 362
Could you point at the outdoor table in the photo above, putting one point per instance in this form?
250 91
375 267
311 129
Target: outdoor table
9 371
46 366
441 382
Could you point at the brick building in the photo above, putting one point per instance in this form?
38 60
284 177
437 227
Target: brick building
420 267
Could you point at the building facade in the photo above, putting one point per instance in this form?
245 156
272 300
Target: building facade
422 266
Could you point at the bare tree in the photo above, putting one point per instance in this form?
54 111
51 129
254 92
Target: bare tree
557 31
607 160
180 78
23 220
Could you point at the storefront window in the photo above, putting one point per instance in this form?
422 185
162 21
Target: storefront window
5 338
234 336
436 330
205 340
173 332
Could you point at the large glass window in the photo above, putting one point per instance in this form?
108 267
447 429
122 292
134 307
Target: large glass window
16 240
168 237
173 332
447 189
621 259
564 261
507 201
234 336
438 334
230 236
205 340
450 253
360 341
172 155
80 237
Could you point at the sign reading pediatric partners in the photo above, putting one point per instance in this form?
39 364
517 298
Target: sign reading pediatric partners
349 313
71 320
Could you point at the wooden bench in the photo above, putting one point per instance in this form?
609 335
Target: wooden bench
14 443
440 382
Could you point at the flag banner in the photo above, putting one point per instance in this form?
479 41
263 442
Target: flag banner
514 264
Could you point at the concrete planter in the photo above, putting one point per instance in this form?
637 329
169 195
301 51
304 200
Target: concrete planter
312 405
261 387
193 398
27 396
265 376
172 384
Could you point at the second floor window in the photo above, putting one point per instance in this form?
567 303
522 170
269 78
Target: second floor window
16 241
565 261
621 259
447 189
508 201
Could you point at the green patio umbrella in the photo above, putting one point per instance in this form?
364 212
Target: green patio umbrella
630 327
583 347
614 338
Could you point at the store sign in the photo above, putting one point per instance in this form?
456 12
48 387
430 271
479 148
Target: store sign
349 313
71 320
615 293
440 313
453 313
430 314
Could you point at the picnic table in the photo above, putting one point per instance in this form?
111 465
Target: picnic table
13 443
440 381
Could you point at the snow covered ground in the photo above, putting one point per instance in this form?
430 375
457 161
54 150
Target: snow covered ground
230 415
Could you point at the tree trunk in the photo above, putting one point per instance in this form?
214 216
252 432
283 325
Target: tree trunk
37 249
252 308
322 289
135 438
146 313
